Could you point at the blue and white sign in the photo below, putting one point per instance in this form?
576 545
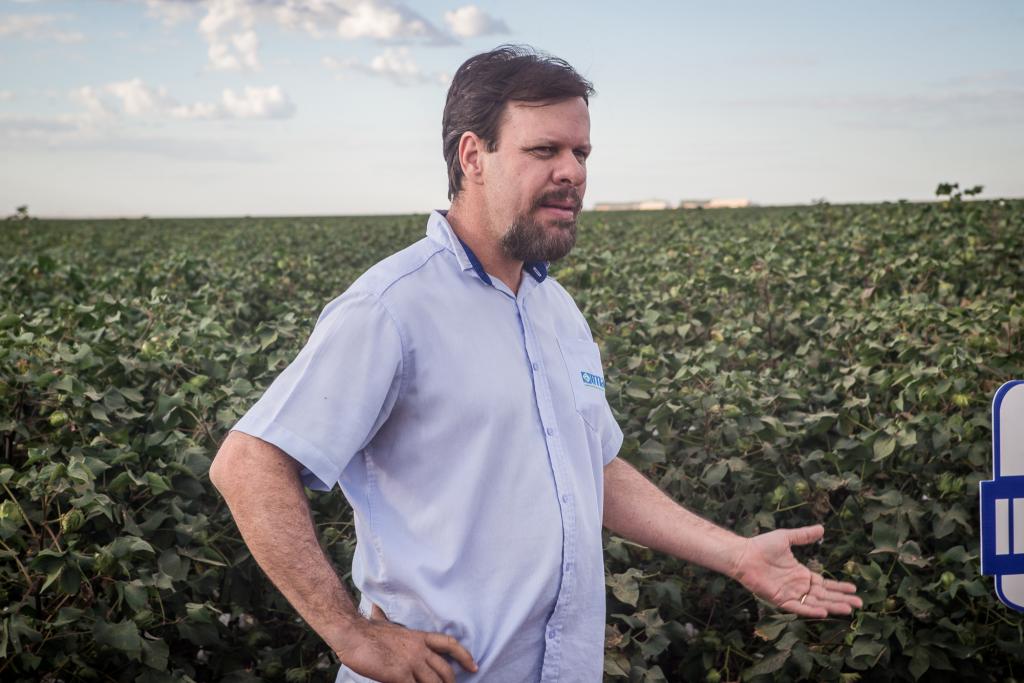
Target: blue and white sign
1002 498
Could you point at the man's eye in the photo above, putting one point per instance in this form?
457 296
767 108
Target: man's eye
544 151
582 156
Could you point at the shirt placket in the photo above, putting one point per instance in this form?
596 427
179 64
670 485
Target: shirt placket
563 491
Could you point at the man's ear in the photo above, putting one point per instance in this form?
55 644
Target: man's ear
471 153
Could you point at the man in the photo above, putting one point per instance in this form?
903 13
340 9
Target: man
455 394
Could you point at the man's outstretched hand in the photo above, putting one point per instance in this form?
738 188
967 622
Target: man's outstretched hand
767 568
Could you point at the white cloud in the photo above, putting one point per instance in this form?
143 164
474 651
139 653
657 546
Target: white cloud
6 96
221 14
227 27
471 21
94 101
170 13
234 52
381 21
197 111
38 27
136 99
394 64
258 103
316 17
139 99
230 28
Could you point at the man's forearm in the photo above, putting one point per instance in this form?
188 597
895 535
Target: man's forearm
639 511
262 488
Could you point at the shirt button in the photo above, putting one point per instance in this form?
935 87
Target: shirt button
550 431
551 633
536 367
565 497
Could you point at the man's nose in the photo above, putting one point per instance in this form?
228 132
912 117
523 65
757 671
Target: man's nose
570 170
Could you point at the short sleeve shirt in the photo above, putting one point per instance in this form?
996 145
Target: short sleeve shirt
468 428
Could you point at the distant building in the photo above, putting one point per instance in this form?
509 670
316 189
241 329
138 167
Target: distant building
735 203
693 203
661 204
645 205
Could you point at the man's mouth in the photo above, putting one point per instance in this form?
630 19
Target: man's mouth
564 208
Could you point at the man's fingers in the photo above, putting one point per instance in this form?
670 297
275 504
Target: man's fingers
841 599
830 605
824 597
805 534
840 586
807 608
440 643
441 667
837 597
839 593
424 673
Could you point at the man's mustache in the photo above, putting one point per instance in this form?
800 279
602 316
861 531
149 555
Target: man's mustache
561 196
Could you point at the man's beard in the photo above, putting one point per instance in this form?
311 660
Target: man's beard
528 240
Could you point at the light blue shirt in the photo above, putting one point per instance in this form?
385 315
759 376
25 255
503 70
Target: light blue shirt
468 428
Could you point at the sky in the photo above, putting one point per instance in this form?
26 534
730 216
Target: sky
325 107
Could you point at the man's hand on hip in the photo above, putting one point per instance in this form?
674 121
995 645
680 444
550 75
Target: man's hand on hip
262 487
390 653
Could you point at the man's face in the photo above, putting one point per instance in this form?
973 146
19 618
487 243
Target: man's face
535 180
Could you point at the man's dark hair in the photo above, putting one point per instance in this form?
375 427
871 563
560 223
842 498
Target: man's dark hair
485 83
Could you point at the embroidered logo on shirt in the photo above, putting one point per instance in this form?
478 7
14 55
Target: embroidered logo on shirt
596 381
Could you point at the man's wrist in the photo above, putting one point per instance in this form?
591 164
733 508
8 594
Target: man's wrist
344 630
736 552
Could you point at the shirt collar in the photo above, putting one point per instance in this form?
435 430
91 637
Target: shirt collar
440 230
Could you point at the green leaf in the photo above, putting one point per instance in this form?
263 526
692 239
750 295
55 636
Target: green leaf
885 538
51 576
956 556
768 665
866 648
613 668
99 412
136 595
198 633
157 483
625 587
67 616
198 612
890 498
772 629
715 473
132 394
122 636
919 662
883 447
155 654
172 565
638 394
654 645
652 451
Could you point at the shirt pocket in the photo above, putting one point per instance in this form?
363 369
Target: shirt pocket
586 377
